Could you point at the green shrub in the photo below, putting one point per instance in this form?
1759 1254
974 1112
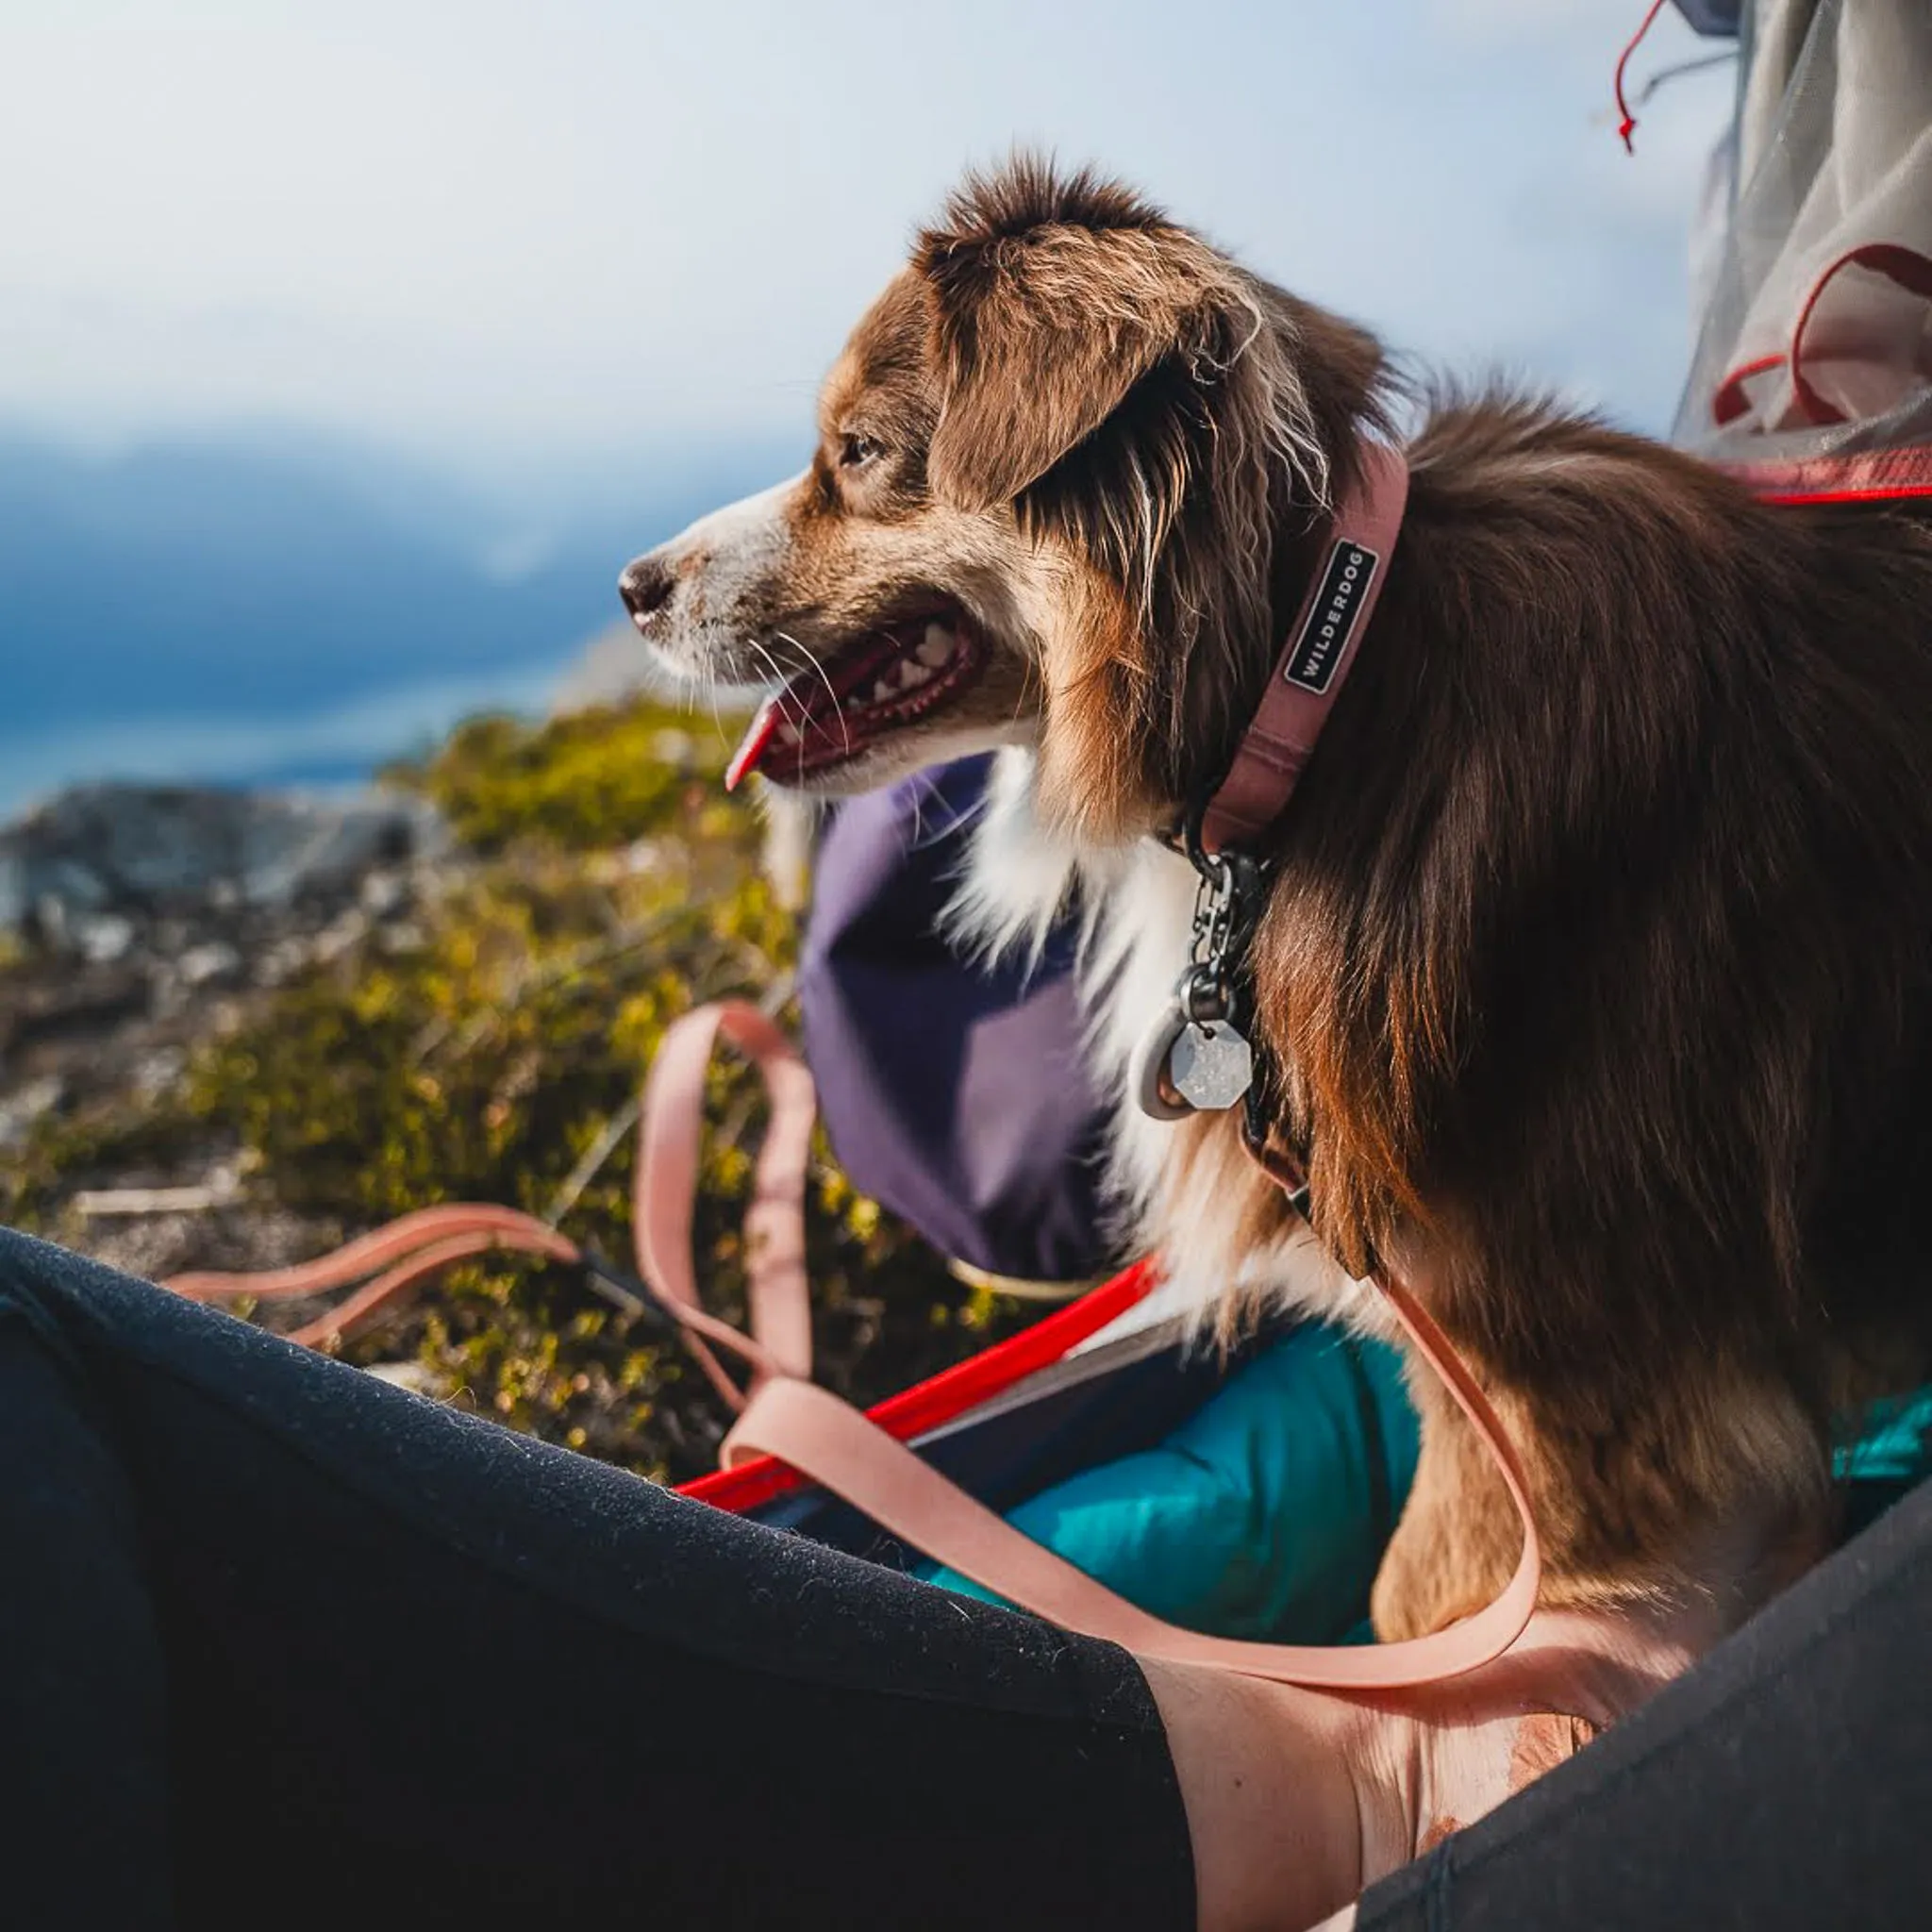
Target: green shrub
590 781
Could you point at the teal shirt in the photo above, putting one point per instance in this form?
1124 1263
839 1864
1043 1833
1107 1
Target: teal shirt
1263 1515
1893 1444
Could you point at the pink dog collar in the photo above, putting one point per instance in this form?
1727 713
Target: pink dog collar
1322 644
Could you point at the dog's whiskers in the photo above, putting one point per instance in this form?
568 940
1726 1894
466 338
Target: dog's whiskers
711 698
810 657
784 682
769 662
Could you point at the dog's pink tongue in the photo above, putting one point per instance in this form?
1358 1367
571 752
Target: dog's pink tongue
756 739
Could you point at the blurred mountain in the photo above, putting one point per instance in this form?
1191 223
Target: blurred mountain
264 585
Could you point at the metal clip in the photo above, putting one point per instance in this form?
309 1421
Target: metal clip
1195 1056
1214 910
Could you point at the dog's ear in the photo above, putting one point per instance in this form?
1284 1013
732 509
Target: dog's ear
1050 299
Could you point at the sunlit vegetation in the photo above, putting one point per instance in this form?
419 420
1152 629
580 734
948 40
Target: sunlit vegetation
489 1048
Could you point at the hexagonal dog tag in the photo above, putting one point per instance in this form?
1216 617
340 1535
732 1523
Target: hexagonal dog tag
1211 1066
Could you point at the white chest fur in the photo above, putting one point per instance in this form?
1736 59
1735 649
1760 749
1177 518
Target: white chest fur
1137 906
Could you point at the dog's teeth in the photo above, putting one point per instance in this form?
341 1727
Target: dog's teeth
912 675
936 646
855 704
882 691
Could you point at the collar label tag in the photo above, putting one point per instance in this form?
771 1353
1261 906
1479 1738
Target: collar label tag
1323 642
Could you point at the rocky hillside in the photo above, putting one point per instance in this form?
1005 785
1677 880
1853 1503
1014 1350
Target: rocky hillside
236 1030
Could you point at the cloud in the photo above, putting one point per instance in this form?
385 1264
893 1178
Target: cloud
592 224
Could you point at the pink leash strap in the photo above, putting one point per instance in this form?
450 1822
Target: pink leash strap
1315 661
387 1265
842 1450
667 1186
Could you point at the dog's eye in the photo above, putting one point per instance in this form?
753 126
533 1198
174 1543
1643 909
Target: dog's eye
857 450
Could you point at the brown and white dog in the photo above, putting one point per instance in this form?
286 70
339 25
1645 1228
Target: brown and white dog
1595 970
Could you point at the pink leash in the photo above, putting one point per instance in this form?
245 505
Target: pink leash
827 1440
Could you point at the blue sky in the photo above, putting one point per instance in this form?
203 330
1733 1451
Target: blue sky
535 242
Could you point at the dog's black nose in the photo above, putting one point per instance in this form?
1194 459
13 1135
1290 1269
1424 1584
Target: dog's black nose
645 588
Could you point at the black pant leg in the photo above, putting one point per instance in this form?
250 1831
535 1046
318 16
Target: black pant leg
1785 1785
83 1721
420 1669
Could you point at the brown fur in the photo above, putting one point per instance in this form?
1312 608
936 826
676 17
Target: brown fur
1594 970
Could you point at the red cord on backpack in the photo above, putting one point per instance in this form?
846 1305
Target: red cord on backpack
1627 125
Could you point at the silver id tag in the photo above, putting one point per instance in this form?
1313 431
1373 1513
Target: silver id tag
1210 1066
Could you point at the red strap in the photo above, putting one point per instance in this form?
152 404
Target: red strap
1872 475
951 1393
1314 663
